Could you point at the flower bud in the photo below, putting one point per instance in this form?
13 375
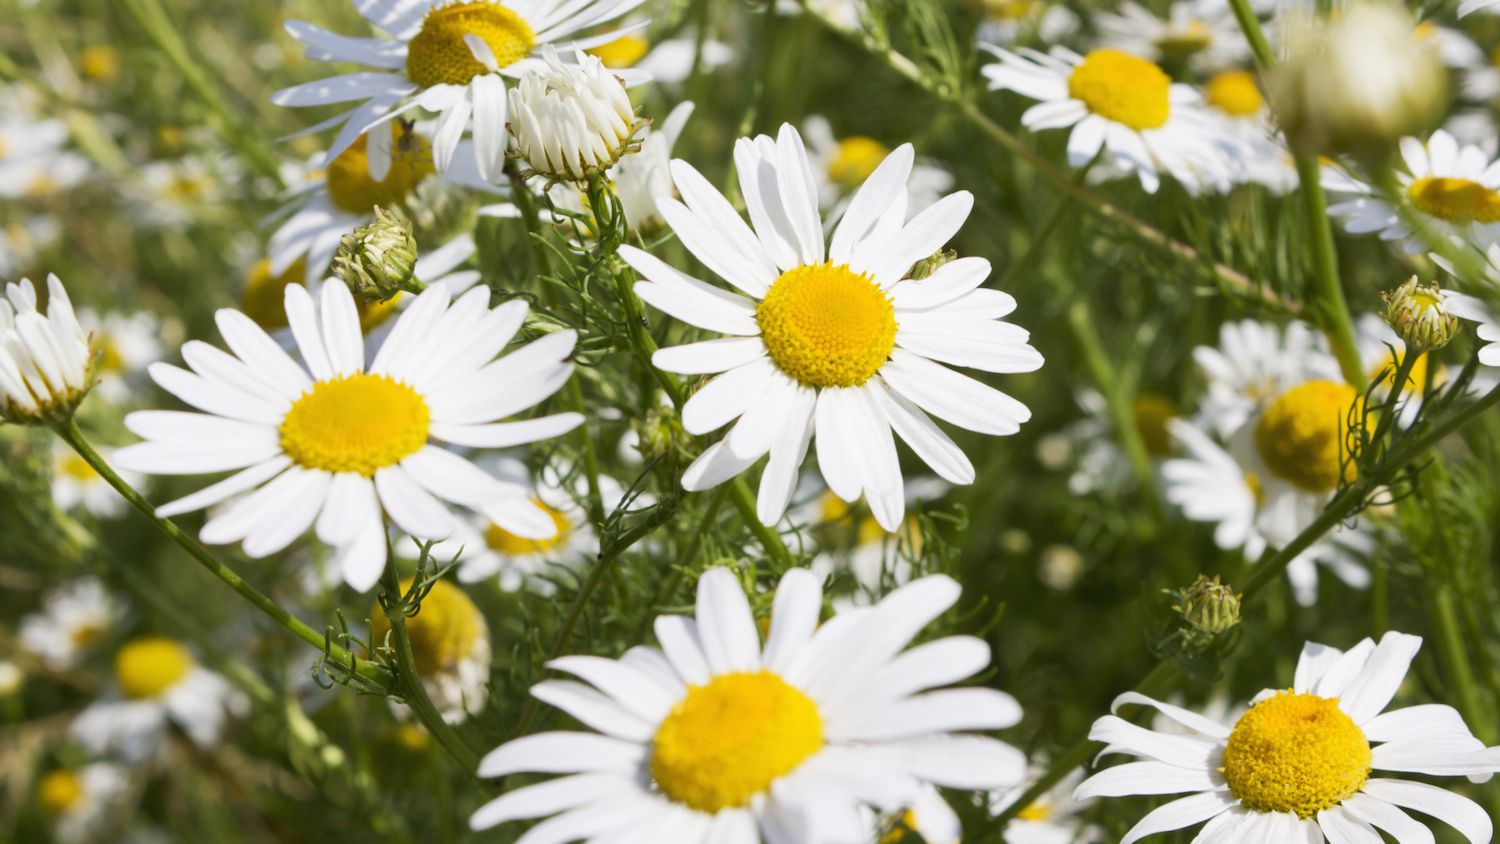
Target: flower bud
46 366
1208 606
573 121
1420 316
379 259
1357 84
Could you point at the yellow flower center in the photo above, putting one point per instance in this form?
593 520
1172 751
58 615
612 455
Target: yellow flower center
903 830
727 741
1186 40
41 184
1235 93
77 468
502 540
443 633
148 667
856 159
1416 380
1458 201
1037 811
1296 753
84 634
438 55
827 326
1126 89
59 791
624 51
412 737
187 188
355 423
1152 413
352 189
1300 436
99 62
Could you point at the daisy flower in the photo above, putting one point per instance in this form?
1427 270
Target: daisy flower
157 682
640 177
1455 188
1236 101
386 167
336 445
75 484
450 644
1210 485
1120 103
1101 463
72 619
1204 31
79 803
126 344
667 62
841 165
876 559
1253 364
46 365
1300 764
175 192
720 737
1052 818
830 338
1004 22
34 160
445 56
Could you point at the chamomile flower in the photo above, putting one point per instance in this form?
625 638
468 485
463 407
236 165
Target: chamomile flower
1209 484
841 165
646 174
1122 104
1487 328
386 167
79 803
450 57
1469 7
1005 22
76 486
174 192
1235 99
46 366
72 619
1253 364
667 62
830 338
877 560
158 682
1301 763
1202 31
450 644
336 445
571 121
1101 464
720 737
34 160
1052 818
126 345
486 550
1455 188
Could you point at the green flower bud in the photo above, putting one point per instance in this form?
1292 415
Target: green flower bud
1420 316
1208 606
379 259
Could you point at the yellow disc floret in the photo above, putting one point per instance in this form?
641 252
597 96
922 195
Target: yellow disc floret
438 54
1235 93
624 51
727 741
1152 413
355 423
148 667
856 159
827 326
350 186
443 633
1458 201
1296 753
59 791
1300 436
1126 89
502 540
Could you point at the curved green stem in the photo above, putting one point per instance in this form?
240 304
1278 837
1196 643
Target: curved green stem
345 660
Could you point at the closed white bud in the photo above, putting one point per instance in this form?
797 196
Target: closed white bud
46 366
1358 83
573 121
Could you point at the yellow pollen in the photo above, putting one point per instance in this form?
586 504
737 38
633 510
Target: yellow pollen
77 468
352 189
727 741
1126 89
827 326
1459 201
59 791
1235 93
831 508
99 62
355 423
624 51
1152 413
148 667
502 540
438 55
1296 753
443 633
1008 10
1300 436
856 159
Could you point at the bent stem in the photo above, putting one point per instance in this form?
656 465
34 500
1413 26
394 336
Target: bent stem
345 660
395 603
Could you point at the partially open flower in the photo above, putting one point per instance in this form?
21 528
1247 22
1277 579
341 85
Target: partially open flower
46 367
1419 315
573 121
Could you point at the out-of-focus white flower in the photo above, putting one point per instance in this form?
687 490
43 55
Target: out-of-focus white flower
33 159
1052 818
841 165
46 367
646 174
1234 98
11 678
78 803
1253 364
75 484
667 62
23 241
450 643
72 619
1202 31
176 192
126 345
1488 324
573 120
1004 22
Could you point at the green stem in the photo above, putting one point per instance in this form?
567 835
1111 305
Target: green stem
345 660
395 604
685 558
1122 416
590 454
1453 655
